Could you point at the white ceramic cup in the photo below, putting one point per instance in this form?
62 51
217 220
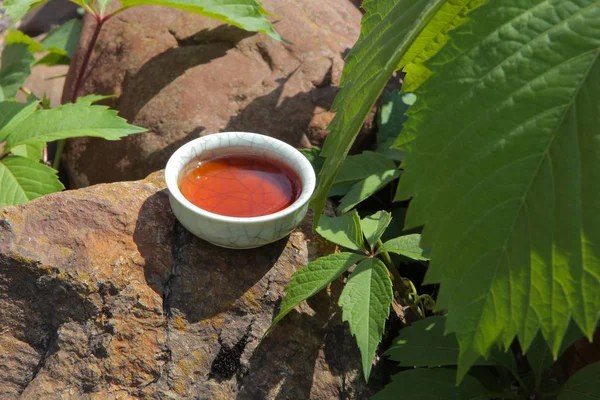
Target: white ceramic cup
238 232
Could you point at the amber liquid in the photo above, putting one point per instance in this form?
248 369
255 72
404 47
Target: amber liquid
240 185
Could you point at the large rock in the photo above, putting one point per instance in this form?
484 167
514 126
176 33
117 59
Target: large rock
182 76
103 295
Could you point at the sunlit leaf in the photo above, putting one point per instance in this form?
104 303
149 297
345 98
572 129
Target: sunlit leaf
365 303
344 231
504 173
22 179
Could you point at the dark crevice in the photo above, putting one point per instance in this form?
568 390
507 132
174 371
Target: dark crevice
228 363
264 53
49 346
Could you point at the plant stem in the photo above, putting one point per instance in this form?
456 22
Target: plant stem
79 81
398 281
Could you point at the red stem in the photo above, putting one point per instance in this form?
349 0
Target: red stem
86 59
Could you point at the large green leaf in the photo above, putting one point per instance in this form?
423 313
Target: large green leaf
504 173
69 120
365 303
432 384
425 344
313 278
388 29
407 246
17 61
245 14
432 39
16 9
22 179
344 231
13 113
583 385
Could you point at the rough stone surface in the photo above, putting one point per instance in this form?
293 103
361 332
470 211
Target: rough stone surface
182 76
104 296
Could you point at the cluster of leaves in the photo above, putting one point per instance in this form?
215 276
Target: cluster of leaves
500 157
368 294
25 128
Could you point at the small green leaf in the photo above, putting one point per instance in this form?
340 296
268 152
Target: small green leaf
70 120
17 61
407 246
432 384
583 385
102 4
390 120
22 180
374 225
93 98
15 36
361 166
16 9
539 354
63 40
13 113
313 156
51 59
371 185
425 344
313 278
245 14
344 231
365 303
32 151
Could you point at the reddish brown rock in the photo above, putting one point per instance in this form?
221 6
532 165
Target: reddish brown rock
103 295
182 76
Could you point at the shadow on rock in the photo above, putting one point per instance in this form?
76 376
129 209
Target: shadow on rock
291 116
197 49
196 279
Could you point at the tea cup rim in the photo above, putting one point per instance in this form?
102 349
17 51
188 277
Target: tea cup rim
300 165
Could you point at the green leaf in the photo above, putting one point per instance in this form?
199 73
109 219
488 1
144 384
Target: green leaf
425 344
93 98
504 172
15 36
344 231
245 14
583 385
432 39
16 9
361 166
371 185
12 114
390 119
539 354
102 4
313 156
407 246
32 151
70 120
365 303
17 61
313 278
22 180
374 225
388 29
63 40
432 384
51 59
